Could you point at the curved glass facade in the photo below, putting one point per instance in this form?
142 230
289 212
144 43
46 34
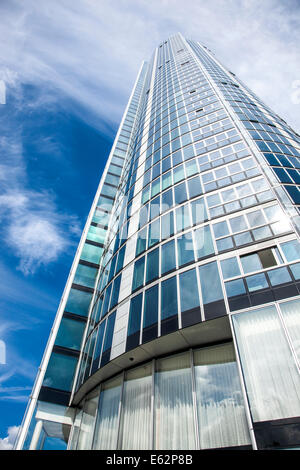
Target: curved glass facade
191 245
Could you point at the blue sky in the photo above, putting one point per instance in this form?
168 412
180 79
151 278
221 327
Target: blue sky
68 69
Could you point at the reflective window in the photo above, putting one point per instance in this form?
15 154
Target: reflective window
135 425
230 268
185 249
60 371
70 333
221 413
152 271
168 258
169 298
291 250
203 242
174 421
78 302
270 381
186 280
106 431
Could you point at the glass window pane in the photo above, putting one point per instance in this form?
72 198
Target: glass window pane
135 424
88 421
151 306
270 381
152 271
180 193
185 249
106 431
221 413
169 298
279 276
204 243
220 229
154 233
291 250
78 302
174 417
60 371
256 282
209 276
235 287
230 268
182 218
138 273
85 275
188 283
199 213
251 263
70 333
167 225
168 259
291 313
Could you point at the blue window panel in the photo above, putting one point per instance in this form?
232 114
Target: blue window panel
182 218
60 371
210 283
168 259
167 200
294 193
169 306
141 243
120 259
230 268
78 302
251 263
294 175
282 175
188 283
235 287
279 276
180 193
204 243
257 282
115 292
98 347
167 225
144 215
154 233
151 306
152 271
291 250
185 249
138 273
199 213
295 268
154 208
108 339
91 253
106 301
220 229
85 275
70 333
135 314
195 187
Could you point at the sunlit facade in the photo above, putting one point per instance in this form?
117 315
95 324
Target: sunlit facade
179 327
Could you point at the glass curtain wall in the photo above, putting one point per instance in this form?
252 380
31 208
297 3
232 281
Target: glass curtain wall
185 401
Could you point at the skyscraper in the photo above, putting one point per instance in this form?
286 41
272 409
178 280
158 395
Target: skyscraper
179 327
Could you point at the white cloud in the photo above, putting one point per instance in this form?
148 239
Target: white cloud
7 443
91 49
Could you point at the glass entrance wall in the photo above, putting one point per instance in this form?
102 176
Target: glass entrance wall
267 344
174 402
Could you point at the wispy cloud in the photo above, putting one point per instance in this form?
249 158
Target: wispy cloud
7 443
91 50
